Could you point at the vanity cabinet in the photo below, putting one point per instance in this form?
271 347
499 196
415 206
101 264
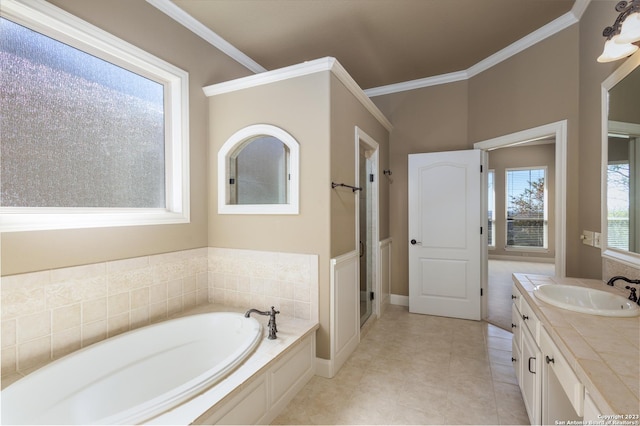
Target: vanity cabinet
550 389
526 355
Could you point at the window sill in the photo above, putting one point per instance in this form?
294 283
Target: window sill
12 220
527 249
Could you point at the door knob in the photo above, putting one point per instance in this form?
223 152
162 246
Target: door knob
414 242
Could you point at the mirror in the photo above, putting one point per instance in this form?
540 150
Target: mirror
621 164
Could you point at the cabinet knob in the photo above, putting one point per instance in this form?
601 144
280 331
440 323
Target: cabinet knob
549 360
513 359
513 297
513 325
525 317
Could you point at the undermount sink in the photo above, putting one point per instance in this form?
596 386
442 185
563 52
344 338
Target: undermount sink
586 300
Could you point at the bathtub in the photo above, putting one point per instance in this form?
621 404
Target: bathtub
135 376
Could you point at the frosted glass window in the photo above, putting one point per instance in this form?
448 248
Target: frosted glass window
77 131
260 172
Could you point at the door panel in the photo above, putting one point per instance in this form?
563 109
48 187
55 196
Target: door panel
444 229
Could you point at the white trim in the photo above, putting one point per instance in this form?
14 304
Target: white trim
293 196
361 137
399 299
299 70
54 22
204 32
559 131
625 257
533 259
513 49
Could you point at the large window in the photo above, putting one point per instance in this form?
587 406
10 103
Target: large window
491 205
93 129
618 205
526 204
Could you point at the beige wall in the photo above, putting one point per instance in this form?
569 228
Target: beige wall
522 156
430 119
300 106
321 114
144 26
346 113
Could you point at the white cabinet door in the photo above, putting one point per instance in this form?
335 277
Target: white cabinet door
530 381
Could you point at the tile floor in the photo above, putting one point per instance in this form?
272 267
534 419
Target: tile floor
417 369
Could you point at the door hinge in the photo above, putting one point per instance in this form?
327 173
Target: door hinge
480 291
481 230
372 295
371 177
232 181
480 168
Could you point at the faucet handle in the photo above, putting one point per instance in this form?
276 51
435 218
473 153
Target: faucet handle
632 295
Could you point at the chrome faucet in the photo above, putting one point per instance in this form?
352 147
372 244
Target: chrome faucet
273 329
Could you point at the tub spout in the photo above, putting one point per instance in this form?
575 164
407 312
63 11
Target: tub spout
273 329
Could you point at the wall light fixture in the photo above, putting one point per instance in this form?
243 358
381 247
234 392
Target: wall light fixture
623 36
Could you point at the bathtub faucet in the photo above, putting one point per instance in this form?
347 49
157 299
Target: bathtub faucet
273 329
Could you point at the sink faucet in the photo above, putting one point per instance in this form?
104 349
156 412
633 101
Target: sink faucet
273 329
620 277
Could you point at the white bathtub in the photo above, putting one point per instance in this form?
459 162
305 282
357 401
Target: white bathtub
135 376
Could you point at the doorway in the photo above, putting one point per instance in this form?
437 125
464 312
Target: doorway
367 224
496 273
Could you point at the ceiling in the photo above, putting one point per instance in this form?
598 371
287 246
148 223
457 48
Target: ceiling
379 42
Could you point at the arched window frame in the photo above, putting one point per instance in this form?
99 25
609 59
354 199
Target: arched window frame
228 149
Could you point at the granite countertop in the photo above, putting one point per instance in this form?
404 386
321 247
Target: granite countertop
604 352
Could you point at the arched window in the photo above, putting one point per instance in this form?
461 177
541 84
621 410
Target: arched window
258 172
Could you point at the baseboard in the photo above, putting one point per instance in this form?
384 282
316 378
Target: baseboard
398 299
324 368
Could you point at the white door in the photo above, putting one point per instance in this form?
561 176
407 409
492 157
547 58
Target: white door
445 234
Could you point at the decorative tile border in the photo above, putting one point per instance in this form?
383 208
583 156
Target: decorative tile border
48 314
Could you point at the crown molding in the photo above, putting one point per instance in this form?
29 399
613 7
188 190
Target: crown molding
524 43
555 26
198 28
299 70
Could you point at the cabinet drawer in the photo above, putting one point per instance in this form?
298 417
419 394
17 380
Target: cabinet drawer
563 371
530 320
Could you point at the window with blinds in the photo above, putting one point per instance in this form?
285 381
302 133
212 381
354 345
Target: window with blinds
526 205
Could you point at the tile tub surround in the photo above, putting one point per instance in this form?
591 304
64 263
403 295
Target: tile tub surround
604 352
49 314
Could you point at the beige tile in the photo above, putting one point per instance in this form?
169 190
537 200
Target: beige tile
158 293
34 352
140 298
94 310
118 324
174 288
67 317
8 333
94 332
9 360
33 326
118 304
65 342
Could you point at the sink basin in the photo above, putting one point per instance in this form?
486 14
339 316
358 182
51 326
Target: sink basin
586 300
